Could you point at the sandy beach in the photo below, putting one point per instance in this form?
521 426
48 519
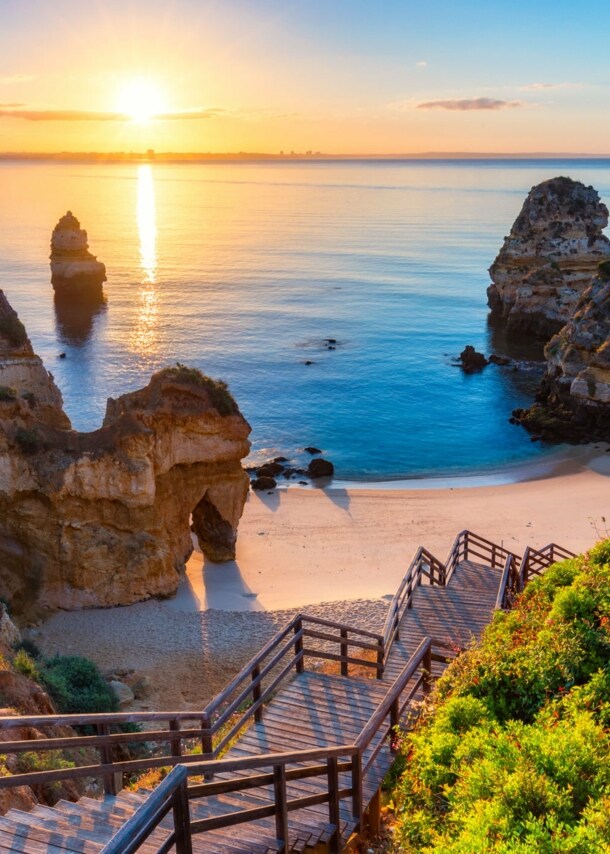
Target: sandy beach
338 551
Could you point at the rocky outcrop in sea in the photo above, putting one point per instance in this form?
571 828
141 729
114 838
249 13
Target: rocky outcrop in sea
75 272
573 402
549 258
103 518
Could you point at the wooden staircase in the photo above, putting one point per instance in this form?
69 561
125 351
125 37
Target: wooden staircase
307 757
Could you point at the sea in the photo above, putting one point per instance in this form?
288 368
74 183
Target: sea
332 296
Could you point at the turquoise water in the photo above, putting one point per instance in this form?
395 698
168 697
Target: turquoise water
245 269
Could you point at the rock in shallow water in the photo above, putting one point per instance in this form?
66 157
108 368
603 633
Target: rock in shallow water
75 272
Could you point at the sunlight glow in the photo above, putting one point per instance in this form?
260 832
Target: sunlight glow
147 231
141 100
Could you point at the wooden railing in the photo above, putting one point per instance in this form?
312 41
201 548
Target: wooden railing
272 770
214 728
176 734
425 565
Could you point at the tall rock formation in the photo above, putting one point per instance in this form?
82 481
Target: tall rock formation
573 402
103 518
75 272
549 258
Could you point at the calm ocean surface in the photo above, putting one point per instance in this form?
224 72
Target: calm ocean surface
244 269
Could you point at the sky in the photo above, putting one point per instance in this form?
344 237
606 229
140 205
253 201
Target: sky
335 76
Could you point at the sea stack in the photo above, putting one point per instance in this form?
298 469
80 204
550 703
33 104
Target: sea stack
104 518
75 272
573 402
550 257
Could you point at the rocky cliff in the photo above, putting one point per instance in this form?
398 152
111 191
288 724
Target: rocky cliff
573 402
549 258
75 272
103 518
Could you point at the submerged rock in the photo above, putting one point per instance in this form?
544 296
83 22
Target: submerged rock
550 257
573 402
75 272
103 518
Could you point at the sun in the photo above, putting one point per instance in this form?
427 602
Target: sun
141 99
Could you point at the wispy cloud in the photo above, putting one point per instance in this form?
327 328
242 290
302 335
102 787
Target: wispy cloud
15 111
421 64
15 78
466 104
536 87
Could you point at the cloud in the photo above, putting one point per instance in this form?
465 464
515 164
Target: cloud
536 87
466 104
421 64
13 111
15 78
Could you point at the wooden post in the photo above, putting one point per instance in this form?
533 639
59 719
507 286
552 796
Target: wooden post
175 743
380 657
207 744
298 647
344 650
182 819
256 693
393 724
281 808
465 546
334 843
375 814
357 786
110 781
493 555
427 670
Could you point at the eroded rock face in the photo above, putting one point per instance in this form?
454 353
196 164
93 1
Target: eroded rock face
75 272
573 403
103 518
550 257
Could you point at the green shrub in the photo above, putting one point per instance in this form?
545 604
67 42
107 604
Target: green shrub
220 396
13 329
28 646
604 269
28 440
25 664
7 393
77 686
514 753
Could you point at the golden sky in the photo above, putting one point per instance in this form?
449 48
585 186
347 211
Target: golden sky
345 76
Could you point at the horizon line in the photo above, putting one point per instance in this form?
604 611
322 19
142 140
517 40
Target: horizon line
151 155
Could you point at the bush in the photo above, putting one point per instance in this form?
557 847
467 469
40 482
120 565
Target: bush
13 329
220 396
604 269
514 752
7 393
28 646
77 686
29 441
25 664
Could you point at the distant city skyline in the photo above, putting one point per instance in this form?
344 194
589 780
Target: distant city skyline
347 78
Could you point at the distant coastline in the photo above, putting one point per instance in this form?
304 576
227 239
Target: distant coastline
318 157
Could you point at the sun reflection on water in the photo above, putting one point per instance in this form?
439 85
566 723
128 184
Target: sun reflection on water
146 332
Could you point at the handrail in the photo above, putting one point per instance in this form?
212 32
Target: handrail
390 706
224 717
169 794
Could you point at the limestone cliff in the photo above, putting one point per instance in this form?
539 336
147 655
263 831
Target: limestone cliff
103 518
75 272
550 257
573 402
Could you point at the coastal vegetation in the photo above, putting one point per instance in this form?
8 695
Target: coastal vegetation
74 683
220 396
513 751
